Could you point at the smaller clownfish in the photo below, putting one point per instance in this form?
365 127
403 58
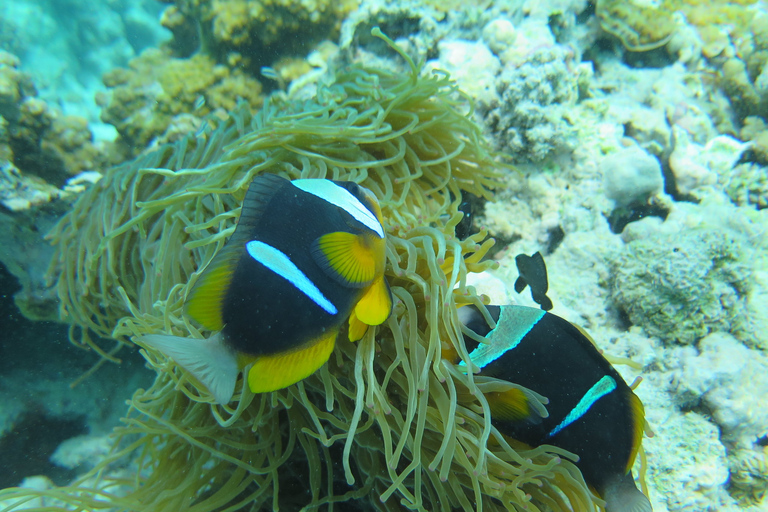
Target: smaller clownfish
592 411
306 255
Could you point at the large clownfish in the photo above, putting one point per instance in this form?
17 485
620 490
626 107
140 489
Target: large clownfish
592 411
306 255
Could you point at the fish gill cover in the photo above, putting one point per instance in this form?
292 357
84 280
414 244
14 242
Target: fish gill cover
385 418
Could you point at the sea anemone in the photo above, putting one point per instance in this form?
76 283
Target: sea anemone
387 420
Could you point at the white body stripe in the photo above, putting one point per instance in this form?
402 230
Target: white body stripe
514 323
280 264
595 393
342 198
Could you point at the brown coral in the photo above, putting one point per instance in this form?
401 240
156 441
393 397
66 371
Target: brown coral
144 100
39 140
257 32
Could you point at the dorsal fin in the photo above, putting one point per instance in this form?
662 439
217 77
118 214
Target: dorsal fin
261 191
205 301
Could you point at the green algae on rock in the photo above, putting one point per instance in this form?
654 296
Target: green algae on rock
681 287
386 416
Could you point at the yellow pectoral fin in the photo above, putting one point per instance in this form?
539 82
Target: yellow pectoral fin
346 258
510 405
376 304
356 327
278 371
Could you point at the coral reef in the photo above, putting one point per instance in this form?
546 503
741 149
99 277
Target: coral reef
67 45
157 92
681 287
40 152
37 138
386 415
525 118
253 33
641 26
631 175
723 375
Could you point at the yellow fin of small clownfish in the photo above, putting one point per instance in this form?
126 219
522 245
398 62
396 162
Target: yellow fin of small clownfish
210 361
346 258
278 371
376 304
205 301
356 327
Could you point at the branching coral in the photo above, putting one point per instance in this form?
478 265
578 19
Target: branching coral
386 418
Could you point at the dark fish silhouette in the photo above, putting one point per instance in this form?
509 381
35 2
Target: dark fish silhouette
533 273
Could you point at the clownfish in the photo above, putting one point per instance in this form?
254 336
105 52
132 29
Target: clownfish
592 411
306 256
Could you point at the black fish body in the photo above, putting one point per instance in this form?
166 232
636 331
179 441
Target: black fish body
306 256
256 327
592 411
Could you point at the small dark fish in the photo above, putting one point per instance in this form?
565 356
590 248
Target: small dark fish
592 411
533 273
306 257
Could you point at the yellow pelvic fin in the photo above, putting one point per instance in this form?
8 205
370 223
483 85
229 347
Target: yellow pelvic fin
356 327
509 405
206 299
376 304
278 371
345 257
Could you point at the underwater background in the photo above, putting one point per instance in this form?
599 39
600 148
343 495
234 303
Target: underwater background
624 140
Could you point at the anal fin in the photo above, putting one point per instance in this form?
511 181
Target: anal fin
278 371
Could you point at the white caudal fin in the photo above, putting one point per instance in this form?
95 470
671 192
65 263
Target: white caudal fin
210 361
621 495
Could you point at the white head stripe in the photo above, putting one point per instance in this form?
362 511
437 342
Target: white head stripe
342 198
280 264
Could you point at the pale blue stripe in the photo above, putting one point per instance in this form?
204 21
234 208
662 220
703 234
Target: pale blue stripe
595 393
514 323
342 198
280 264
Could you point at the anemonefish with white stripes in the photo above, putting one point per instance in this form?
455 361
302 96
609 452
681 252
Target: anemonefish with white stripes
592 411
305 262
